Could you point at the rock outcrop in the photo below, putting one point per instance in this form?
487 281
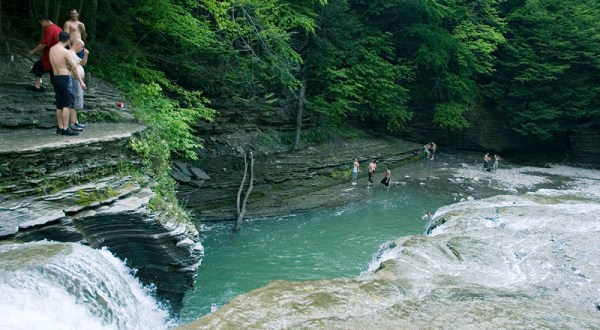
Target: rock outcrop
71 189
285 181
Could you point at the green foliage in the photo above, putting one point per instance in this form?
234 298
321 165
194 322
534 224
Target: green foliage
87 198
167 120
450 115
548 75
451 44
352 72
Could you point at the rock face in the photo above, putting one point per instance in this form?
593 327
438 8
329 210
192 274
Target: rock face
162 247
68 189
285 181
489 133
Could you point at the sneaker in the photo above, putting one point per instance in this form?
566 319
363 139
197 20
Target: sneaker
75 128
69 131
58 130
80 125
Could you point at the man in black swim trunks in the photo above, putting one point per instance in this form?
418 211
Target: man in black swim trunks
63 66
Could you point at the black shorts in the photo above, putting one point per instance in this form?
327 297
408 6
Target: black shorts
63 89
38 71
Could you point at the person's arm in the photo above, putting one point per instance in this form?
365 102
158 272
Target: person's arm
75 73
66 26
36 49
81 28
85 56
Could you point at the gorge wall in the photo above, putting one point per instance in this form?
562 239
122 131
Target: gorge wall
76 188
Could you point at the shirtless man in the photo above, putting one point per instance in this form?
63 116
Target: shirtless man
77 46
63 67
75 29
372 168
387 178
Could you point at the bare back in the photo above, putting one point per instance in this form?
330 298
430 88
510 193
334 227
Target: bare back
61 60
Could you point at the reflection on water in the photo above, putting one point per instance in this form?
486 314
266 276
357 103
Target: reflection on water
520 260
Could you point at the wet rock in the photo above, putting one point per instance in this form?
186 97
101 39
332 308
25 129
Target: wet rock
164 249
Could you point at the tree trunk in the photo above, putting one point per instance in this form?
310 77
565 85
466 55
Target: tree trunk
242 211
2 36
300 110
92 13
56 15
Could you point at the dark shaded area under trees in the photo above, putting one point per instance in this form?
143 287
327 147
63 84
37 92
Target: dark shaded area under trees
388 65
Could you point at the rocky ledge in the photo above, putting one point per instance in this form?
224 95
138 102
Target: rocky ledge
113 212
70 189
285 182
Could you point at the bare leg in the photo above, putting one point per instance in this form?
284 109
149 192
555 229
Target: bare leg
73 116
38 82
66 113
59 118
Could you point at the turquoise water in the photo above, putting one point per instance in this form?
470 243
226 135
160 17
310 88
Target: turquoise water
322 245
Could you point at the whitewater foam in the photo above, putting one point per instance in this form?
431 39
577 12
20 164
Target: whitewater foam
71 286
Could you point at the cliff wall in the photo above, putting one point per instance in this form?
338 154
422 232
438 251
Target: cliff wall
76 188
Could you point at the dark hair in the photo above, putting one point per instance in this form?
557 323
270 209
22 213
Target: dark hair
63 36
43 18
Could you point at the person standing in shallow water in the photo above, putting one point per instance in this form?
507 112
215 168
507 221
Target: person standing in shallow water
387 178
496 161
355 170
486 162
433 148
372 168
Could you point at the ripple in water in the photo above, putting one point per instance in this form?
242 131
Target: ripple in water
528 259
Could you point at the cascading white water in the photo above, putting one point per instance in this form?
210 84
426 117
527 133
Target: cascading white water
49 285
523 260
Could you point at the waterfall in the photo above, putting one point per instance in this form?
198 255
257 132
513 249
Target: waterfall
50 285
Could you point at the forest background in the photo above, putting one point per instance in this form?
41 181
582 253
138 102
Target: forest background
377 64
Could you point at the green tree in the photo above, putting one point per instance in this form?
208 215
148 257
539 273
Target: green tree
352 71
451 44
548 78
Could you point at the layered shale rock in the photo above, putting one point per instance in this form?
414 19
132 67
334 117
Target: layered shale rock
68 188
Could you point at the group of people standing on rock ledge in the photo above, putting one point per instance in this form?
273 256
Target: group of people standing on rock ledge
63 57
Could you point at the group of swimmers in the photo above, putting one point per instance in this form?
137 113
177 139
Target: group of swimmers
64 55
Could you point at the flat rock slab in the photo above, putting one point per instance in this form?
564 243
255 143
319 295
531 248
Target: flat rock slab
34 140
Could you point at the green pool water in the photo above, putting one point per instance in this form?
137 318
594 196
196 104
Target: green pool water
327 244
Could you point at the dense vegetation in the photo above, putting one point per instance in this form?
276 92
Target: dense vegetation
535 62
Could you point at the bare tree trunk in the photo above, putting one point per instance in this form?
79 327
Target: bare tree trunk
242 211
239 194
300 110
